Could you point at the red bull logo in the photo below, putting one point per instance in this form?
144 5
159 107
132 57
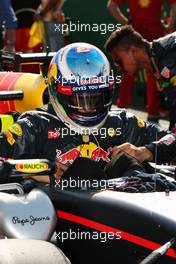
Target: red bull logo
89 150
68 157
100 154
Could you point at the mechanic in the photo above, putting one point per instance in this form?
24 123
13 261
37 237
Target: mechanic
78 121
131 52
145 17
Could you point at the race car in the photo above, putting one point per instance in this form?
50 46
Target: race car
96 225
21 91
119 227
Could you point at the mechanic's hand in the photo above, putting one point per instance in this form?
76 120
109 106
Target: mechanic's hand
61 168
140 153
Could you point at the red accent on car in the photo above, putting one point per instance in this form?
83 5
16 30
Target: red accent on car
105 228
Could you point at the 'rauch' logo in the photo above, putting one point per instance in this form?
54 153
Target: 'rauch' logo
32 168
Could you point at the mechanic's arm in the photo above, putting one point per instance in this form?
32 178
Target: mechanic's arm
143 140
140 153
162 151
44 179
61 168
116 13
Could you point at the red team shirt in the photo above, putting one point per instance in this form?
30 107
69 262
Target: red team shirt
146 16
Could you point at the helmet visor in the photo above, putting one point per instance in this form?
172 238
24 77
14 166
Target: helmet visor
90 102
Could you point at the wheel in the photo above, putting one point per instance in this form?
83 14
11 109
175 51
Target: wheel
16 251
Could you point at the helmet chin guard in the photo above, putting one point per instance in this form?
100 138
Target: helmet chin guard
61 114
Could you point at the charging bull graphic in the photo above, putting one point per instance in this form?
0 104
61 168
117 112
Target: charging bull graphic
89 150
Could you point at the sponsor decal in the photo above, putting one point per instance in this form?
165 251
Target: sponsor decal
16 129
140 122
53 134
82 49
31 167
28 123
32 220
64 89
89 150
10 138
111 132
173 80
85 138
167 140
165 72
144 3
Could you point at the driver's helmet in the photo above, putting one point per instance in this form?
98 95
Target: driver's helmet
80 85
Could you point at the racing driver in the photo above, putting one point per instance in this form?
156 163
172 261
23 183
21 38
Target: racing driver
78 121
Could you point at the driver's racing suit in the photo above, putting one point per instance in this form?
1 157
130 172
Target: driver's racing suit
164 55
43 135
